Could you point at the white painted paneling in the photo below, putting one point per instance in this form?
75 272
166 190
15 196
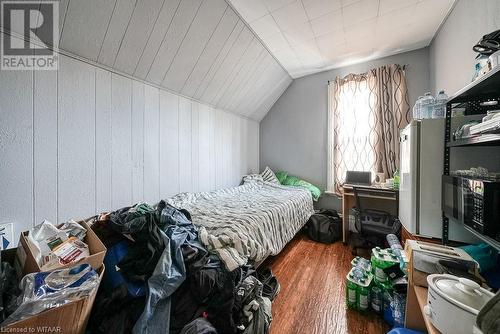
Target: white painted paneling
169 144
202 28
151 144
236 149
103 131
121 115
204 165
85 140
212 119
227 147
242 102
199 48
214 68
16 150
185 165
275 92
219 148
253 147
238 73
195 147
173 39
63 9
232 59
76 139
210 53
232 99
115 31
136 37
137 141
91 16
45 145
155 39
244 158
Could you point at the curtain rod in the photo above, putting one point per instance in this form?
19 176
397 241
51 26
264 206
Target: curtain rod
405 66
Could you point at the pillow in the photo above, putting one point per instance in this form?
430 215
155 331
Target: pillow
268 176
295 181
251 178
281 176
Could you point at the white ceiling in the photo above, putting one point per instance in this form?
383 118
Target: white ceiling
308 36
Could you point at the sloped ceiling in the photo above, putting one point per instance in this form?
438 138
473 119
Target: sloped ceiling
309 36
197 48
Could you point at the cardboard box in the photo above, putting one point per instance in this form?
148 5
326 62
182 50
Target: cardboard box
69 318
26 263
421 255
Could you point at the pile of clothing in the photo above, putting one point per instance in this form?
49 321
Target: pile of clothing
159 278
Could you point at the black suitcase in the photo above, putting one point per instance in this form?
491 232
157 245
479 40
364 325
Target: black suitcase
325 226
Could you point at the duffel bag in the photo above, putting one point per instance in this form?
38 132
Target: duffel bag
325 226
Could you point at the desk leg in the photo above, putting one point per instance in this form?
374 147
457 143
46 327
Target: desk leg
345 217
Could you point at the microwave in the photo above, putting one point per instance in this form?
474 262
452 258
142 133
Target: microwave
473 202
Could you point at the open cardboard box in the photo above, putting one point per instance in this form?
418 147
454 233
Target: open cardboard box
69 318
26 263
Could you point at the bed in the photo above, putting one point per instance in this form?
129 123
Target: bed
245 224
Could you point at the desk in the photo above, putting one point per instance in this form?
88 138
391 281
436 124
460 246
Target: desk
348 202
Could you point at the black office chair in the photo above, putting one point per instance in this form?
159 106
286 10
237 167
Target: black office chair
373 225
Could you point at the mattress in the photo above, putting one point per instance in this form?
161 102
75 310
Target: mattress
247 223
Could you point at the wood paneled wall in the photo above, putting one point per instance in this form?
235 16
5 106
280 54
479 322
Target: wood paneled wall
84 140
197 48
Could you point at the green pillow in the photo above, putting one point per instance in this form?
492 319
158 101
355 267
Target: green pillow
295 181
281 175
315 191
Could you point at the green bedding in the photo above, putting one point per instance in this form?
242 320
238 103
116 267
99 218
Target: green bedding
289 180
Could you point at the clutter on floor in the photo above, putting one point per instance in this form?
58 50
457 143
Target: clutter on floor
158 275
53 247
379 285
161 276
46 290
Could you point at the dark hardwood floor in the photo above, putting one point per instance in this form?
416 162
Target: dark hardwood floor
312 297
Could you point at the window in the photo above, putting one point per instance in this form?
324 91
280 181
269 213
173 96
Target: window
354 125
365 114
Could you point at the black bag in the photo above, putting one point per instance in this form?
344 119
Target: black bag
325 226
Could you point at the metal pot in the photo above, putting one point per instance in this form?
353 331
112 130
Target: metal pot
454 302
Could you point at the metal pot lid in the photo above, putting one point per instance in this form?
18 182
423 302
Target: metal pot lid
460 290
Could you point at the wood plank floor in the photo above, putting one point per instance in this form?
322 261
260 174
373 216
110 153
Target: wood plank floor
312 296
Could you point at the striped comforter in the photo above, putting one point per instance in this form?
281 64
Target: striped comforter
249 222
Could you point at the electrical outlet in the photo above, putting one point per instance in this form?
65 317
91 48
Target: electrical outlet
6 235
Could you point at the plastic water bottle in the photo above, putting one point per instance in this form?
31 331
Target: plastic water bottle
351 291
440 105
398 306
427 106
417 108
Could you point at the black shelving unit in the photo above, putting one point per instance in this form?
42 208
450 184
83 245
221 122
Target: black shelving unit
482 140
472 97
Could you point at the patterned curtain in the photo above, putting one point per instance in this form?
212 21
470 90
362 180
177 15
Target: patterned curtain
392 110
365 115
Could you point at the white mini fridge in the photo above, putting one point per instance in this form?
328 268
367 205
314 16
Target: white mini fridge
421 170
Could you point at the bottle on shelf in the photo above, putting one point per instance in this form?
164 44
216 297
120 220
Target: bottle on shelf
427 105
439 109
417 108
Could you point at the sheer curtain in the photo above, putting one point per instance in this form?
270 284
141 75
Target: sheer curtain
365 114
